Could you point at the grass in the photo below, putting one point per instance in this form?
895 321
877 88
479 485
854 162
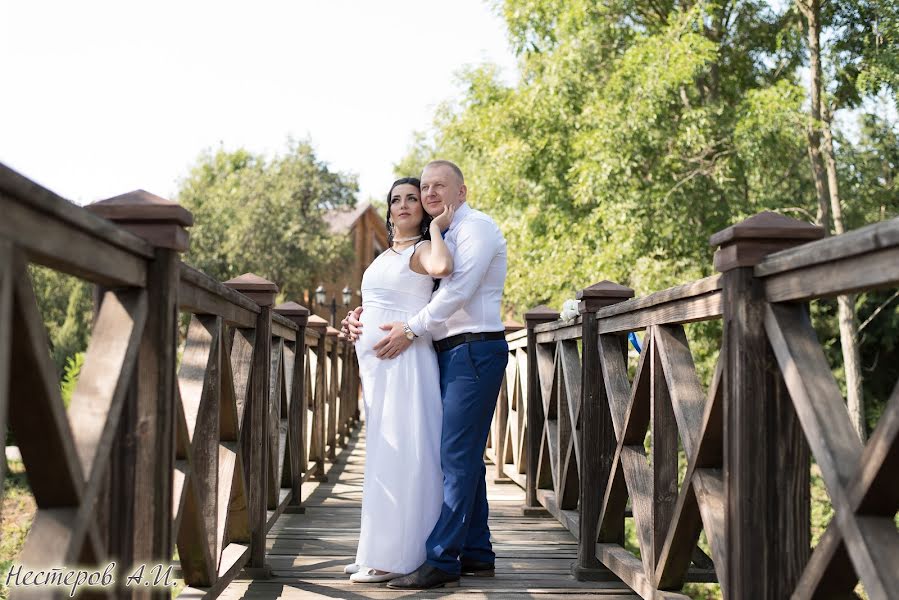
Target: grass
15 519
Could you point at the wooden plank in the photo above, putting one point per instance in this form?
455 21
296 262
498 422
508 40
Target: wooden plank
639 478
6 328
617 385
36 412
874 490
20 190
197 559
237 524
694 289
629 568
865 272
257 480
698 308
60 246
708 485
557 325
766 460
684 389
199 382
570 332
242 356
858 241
569 394
297 417
105 377
677 552
597 442
640 405
517 339
815 393
156 409
829 571
199 300
283 328
234 557
273 414
191 277
663 434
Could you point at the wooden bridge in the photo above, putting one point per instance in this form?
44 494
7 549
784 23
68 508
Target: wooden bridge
241 450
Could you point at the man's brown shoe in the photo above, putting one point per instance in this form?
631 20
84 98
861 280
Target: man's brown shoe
425 577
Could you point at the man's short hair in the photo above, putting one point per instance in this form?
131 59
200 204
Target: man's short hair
446 163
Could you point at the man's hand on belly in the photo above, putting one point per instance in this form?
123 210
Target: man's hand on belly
394 343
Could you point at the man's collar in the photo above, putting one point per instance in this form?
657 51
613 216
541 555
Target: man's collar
460 214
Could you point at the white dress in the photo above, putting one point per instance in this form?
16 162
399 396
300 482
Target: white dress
402 493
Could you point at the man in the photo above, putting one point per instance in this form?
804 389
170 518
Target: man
463 318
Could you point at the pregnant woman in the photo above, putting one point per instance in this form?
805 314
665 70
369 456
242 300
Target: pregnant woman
402 492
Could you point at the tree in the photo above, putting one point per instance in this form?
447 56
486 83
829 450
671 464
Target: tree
267 216
859 63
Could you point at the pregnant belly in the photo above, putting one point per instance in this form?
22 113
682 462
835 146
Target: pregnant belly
372 319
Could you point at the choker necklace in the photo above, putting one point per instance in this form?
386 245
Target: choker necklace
408 239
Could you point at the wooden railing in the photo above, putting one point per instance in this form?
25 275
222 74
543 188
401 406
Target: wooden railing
201 451
575 424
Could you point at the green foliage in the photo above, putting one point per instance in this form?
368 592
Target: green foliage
66 307
70 377
638 129
267 216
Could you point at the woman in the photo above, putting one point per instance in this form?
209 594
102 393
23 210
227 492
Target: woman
403 488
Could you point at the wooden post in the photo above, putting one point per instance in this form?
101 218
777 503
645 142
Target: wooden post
333 391
597 434
146 442
765 453
534 418
296 416
262 292
319 396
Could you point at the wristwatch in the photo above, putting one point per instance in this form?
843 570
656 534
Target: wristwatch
410 335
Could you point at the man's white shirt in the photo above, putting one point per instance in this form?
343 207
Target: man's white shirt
469 300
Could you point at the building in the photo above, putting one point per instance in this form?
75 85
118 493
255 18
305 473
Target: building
365 224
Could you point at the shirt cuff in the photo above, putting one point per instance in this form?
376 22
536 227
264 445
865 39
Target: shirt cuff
416 325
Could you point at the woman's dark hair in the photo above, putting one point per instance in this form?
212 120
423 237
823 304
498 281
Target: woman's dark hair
425 219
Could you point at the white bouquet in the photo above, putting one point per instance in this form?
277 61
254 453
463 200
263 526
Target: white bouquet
569 310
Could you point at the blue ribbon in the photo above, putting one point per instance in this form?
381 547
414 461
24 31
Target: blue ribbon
632 338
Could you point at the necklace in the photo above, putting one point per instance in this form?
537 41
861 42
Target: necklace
408 239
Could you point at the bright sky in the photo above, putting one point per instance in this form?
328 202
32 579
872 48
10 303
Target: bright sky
100 98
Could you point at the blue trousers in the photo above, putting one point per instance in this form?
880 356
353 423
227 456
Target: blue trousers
470 379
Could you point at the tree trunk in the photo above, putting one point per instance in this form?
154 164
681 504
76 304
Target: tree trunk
846 303
811 9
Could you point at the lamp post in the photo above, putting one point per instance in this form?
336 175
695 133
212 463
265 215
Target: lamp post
321 297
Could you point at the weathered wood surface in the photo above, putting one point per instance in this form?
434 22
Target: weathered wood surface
307 552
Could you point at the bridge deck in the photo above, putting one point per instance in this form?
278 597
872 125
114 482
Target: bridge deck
307 552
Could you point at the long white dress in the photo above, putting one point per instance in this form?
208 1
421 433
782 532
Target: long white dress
402 491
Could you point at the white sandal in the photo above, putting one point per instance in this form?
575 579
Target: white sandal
369 575
350 569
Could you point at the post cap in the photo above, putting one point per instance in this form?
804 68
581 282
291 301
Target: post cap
511 325
331 332
746 243
159 221
297 313
256 288
602 294
540 314
317 323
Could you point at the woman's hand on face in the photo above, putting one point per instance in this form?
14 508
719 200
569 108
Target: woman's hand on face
443 220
